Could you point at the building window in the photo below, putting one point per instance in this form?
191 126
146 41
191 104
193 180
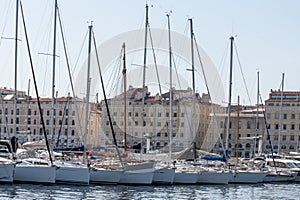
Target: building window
292 126
48 112
136 123
158 123
167 114
182 124
276 116
248 146
60 113
240 125
269 116
276 137
276 126
159 114
73 122
284 116
136 114
129 114
115 114
248 125
293 116
284 138
284 127
175 114
292 138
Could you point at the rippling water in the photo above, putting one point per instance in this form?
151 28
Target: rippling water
178 192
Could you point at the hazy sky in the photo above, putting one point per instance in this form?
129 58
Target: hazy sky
268 36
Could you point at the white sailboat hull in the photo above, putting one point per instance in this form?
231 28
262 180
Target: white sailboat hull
104 176
138 174
137 177
6 172
280 177
164 176
185 177
35 174
247 177
211 177
72 174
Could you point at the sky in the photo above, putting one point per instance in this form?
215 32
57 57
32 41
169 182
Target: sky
267 38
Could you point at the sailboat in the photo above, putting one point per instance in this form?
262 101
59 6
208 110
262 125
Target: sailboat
239 175
6 163
33 169
66 171
136 173
184 173
105 171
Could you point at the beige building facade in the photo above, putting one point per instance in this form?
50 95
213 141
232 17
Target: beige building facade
283 118
69 118
155 123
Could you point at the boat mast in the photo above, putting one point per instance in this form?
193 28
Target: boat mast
170 91
194 90
16 67
237 133
125 96
229 94
280 113
256 119
87 97
53 70
144 76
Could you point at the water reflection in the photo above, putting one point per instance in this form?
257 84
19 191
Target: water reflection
61 192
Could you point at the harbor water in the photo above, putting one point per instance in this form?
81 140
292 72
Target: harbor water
178 192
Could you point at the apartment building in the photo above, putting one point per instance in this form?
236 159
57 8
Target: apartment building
153 119
68 128
283 117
